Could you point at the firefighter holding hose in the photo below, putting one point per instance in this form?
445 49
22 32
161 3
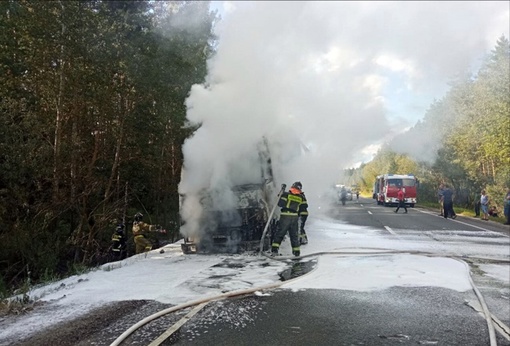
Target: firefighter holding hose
140 231
289 203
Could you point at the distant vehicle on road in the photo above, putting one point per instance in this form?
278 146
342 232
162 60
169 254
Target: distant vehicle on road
349 194
344 193
386 189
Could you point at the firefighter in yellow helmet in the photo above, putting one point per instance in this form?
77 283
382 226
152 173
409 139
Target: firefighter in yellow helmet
140 230
289 203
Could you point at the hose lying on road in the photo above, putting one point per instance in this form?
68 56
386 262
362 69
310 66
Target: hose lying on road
175 327
150 318
376 251
486 312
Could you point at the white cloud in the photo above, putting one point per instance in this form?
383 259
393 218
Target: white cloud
374 83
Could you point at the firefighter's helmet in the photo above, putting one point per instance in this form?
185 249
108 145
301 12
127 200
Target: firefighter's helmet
297 185
138 217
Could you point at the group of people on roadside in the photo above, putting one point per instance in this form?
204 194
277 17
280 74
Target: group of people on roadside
482 204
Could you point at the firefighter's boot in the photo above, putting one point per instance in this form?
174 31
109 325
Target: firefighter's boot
274 251
296 253
303 239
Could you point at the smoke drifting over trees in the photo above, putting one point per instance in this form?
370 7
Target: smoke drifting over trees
332 77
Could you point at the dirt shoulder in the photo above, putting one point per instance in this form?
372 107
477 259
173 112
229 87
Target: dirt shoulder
101 326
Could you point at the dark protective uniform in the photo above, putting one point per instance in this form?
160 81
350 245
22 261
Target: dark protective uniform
119 243
303 215
448 204
289 203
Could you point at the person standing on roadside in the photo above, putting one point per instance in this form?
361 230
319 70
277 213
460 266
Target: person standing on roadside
440 198
401 200
506 210
484 204
477 205
448 203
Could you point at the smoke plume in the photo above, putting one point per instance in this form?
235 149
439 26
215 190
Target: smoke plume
322 81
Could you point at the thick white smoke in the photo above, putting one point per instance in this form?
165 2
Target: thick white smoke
322 81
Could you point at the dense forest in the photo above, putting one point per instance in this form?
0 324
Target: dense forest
92 122
93 119
463 139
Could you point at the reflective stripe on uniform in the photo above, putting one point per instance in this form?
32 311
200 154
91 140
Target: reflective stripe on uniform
289 213
290 203
138 236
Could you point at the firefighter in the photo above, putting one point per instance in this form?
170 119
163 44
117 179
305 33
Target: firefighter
119 243
303 215
289 203
140 231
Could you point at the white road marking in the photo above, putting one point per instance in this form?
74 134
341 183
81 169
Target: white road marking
464 223
390 230
369 212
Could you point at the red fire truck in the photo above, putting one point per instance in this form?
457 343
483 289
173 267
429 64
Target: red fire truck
386 188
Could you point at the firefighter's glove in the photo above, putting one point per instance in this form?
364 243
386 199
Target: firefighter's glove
163 231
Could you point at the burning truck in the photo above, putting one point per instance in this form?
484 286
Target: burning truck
240 226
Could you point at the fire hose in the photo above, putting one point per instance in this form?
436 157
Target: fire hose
269 219
123 336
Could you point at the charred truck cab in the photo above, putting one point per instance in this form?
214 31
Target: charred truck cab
239 228
234 231
386 189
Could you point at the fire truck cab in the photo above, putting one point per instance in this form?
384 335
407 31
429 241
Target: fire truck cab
386 189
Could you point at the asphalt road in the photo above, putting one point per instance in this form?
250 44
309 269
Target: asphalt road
409 316
393 316
367 213
396 316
